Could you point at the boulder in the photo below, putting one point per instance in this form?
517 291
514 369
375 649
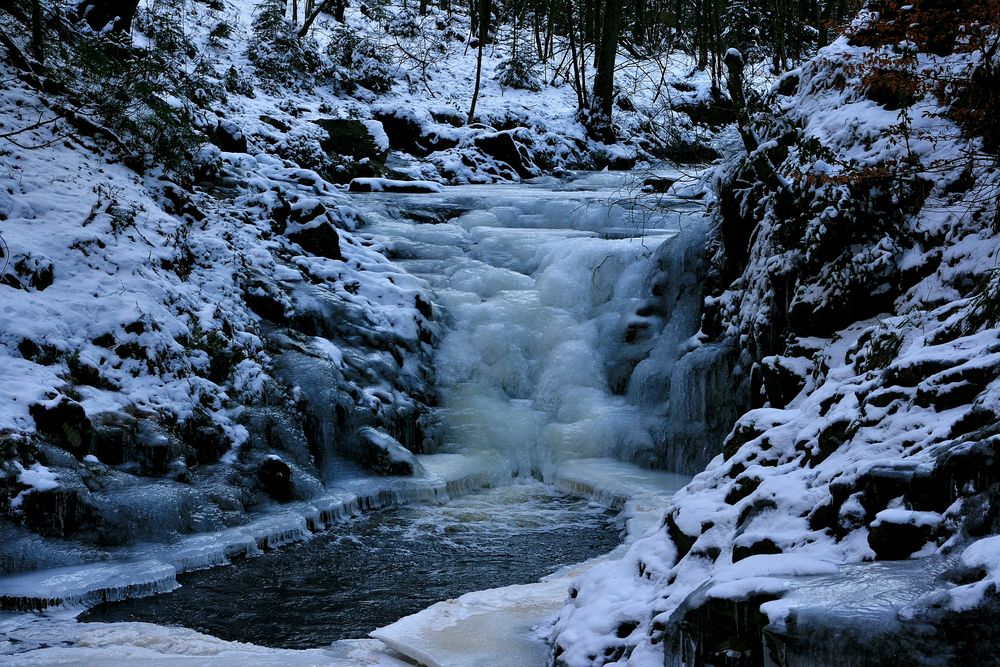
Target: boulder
502 147
895 533
406 133
657 184
114 438
783 378
762 546
104 15
275 478
358 139
383 454
229 137
318 237
64 422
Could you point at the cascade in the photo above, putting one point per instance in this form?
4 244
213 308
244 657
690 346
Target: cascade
570 321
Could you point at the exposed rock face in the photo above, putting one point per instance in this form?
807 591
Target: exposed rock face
405 133
53 512
115 437
897 534
503 147
873 347
65 423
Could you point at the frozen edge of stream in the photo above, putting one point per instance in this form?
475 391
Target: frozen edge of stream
503 620
506 627
151 569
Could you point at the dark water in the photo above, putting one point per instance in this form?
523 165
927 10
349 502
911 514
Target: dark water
376 569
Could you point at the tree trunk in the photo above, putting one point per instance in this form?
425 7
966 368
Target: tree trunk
577 79
604 80
639 25
473 17
37 32
484 27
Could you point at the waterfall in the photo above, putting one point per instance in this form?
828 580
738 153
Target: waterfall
568 333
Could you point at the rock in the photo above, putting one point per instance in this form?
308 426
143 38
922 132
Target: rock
389 185
658 184
895 534
826 515
755 548
382 454
687 151
741 488
502 146
720 631
954 387
276 123
304 211
788 84
783 378
53 512
881 398
714 113
354 138
913 372
207 439
978 417
682 541
318 237
101 15
177 201
405 133
613 161
742 433
275 479
114 438
28 272
266 301
155 450
40 353
64 422
829 440
229 137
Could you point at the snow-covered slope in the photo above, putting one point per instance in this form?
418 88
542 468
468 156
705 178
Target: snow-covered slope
861 246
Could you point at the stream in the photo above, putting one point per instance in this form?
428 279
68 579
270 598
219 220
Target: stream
536 287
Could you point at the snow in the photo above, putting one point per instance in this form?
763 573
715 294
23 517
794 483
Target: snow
390 185
37 640
538 287
796 475
37 477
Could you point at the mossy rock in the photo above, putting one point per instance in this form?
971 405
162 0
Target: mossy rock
352 138
65 424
